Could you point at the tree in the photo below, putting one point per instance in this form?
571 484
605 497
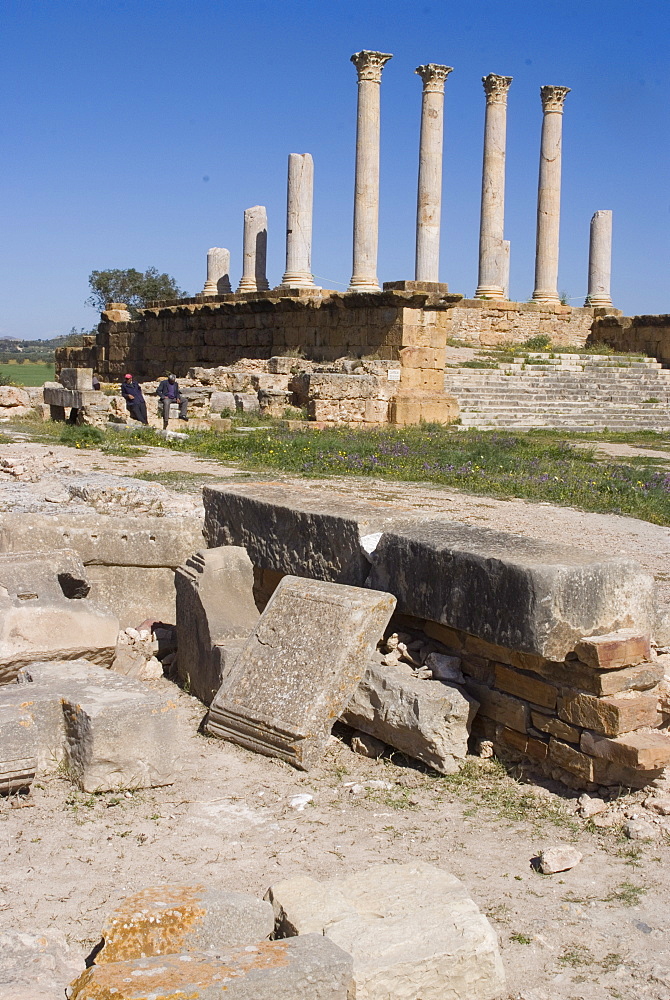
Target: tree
132 287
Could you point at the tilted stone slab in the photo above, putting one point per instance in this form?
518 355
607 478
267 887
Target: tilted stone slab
167 919
18 749
299 668
510 590
45 611
215 604
425 719
304 968
116 733
413 931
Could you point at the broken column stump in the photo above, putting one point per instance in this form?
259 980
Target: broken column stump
299 668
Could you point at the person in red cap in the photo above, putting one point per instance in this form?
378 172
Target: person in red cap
135 404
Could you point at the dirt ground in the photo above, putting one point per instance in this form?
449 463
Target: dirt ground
599 931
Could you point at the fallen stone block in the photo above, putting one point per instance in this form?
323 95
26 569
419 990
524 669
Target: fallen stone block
413 931
215 615
116 733
650 751
621 713
45 612
247 402
624 648
426 719
135 657
516 592
168 919
305 968
220 401
299 668
18 749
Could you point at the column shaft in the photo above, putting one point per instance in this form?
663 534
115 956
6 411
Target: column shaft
254 278
369 67
218 272
491 281
600 260
505 277
299 201
549 195
429 198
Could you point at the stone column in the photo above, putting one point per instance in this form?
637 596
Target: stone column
549 195
299 200
429 198
491 281
369 66
600 260
218 272
255 250
505 282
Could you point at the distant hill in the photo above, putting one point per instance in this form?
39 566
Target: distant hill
12 348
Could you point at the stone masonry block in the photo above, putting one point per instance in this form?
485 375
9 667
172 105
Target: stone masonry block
422 357
646 750
500 707
299 668
413 931
609 716
554 727
309 967
525 687
570 759
18 748
171 919
215 604
427 720
623 648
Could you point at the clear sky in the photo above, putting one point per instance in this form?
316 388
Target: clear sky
133 133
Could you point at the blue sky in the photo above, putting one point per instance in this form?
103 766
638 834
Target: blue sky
134 134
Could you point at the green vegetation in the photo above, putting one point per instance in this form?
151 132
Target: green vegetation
520 938
132 287
26 373
627 893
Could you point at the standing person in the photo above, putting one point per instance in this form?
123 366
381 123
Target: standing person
135 404
168 393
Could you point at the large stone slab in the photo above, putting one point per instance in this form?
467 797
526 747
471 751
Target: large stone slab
510 590
167 919
304 968
215 604
299 668
425 719
110 732
413 931
18 749
130 561
46 613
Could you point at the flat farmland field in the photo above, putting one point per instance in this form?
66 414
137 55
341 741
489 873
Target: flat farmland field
29 373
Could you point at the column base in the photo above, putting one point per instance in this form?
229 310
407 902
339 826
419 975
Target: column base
489 292
247 285
210 288
363 284
598 302
551 298
297 279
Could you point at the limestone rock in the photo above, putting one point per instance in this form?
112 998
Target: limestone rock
366 745
304 968
14 401
412 930
18 748
134 656
45 612
215 615
247 402
299 668
639 829
169 919
559 859
220 401
427 720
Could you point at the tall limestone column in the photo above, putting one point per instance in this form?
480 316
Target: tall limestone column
429 198
369 66
299 200
218 272
549 195
491 281
600 260
254 278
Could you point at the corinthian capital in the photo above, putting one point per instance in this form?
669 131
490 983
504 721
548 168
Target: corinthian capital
496 88
369 65
553 97
433 77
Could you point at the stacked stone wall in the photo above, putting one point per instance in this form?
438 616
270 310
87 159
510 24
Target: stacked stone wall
488 322
648 335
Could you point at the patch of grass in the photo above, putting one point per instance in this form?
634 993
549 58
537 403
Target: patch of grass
81 437
29 373
122 448
576 955
611 962
632 854
520 938
183 482
627 894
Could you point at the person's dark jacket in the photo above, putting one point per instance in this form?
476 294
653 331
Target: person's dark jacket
162 390
129 389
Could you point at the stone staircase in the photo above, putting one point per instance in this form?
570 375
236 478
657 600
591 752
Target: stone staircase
576 392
